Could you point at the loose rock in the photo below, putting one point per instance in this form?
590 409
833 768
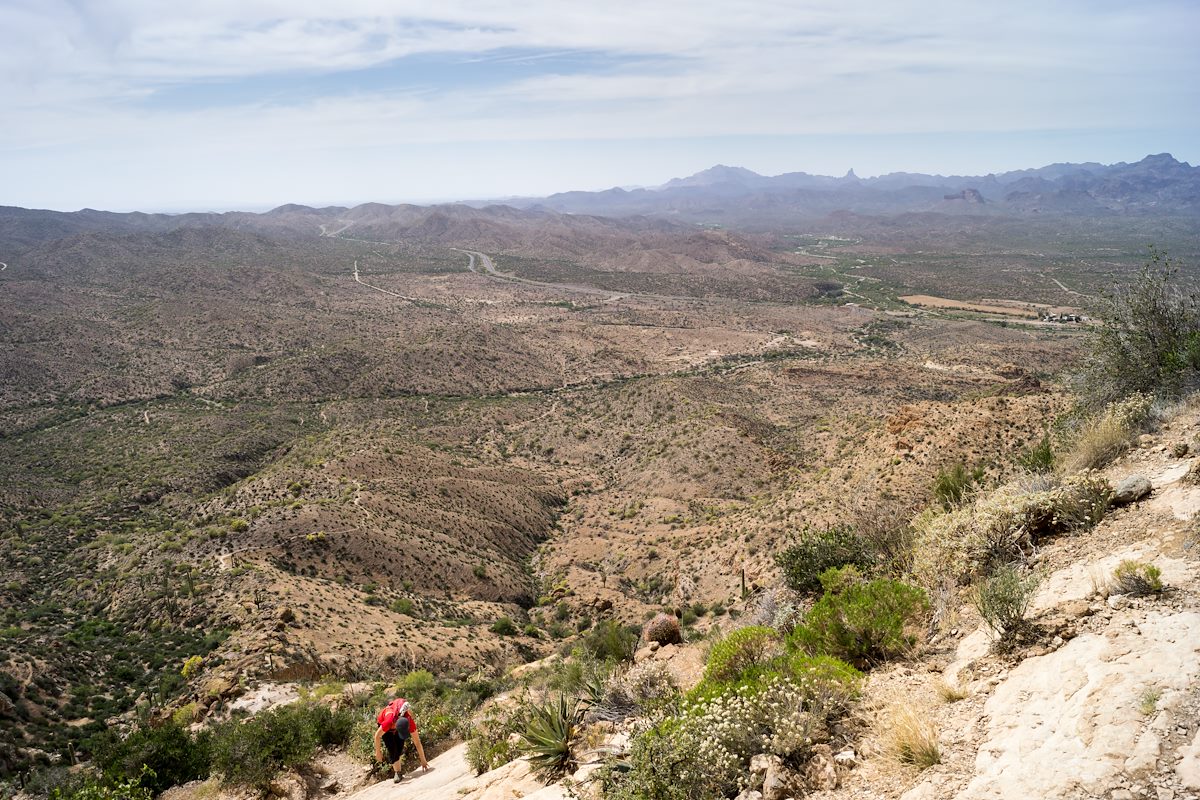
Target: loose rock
1132 489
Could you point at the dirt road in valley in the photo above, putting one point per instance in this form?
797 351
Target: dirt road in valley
385 291
489 269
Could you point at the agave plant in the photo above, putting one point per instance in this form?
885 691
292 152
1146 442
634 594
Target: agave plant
548 737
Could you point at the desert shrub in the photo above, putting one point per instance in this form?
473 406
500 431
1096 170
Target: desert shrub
402 605
1101 437
664 763
866 624
664 629
815 551
253 752
484 754
549 736
157 757
1038 458
611 641
831 683
839 579
1003 598
640 690
739 651
361 746
1004 526
1137 579
488 745
1149 341
88 788
955 484
777 607
504 627
416 685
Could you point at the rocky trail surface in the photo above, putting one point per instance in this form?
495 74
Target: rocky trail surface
1108 706
450 776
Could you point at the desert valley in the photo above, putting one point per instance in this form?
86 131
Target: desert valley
476 452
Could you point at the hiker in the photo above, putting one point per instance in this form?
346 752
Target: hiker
397 726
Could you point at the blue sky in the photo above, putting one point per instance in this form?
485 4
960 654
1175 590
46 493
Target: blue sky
141 104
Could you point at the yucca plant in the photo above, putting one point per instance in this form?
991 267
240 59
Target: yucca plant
548 738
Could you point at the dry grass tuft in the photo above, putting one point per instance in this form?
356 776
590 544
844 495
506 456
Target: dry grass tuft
951 692
912 737
1109 435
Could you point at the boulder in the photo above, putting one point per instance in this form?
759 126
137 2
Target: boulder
773 779
288 786
1188 768
820 773
1132 489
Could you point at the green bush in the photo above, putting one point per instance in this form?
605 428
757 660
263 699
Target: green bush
665 764
739 651
504 627
488 739
866 624
135 788
159 757
484 755
416 685
611 641
954 485
1137 579
253 752
403 606
1038 458
1003 599
818 550
1149 341
839 579
831 683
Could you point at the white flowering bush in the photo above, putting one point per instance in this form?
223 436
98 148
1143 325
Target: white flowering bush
705 752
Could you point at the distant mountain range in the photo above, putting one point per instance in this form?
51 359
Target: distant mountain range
1158 184
562 224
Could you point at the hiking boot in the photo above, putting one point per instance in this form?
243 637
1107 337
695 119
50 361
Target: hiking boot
397 777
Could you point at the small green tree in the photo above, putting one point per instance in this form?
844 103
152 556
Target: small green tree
817 550
1150 337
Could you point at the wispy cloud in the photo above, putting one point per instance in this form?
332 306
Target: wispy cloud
198 85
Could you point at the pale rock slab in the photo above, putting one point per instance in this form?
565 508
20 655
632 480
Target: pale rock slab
1064 724
1188 768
